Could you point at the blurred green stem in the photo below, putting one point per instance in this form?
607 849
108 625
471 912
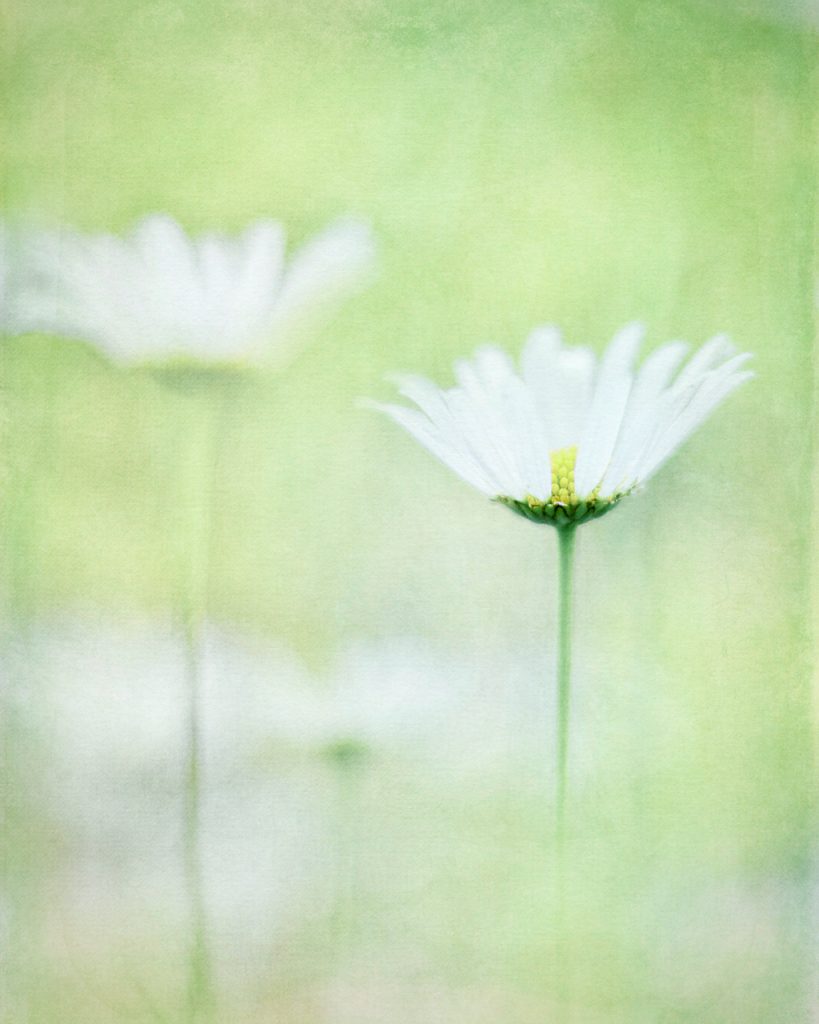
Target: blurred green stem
349 762
200 988
195 473
29 440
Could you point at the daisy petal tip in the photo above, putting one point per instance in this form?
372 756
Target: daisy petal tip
372 405
544 334
356 240
399 378
157 225
634 332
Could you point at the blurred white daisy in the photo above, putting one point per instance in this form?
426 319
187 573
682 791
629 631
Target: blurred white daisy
373 697
160 295
569 435
113 691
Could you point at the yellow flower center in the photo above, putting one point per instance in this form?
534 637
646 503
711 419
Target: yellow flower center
563 460
563 507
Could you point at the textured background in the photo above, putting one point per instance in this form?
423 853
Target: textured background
582 162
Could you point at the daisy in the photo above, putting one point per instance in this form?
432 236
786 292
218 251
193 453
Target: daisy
163 299
111 689
159 295
567 436
269 824
374 697
562 440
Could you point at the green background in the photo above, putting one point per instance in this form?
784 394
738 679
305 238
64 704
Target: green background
584 163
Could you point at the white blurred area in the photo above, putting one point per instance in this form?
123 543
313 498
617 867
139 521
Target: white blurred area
273 733
276 738
369 784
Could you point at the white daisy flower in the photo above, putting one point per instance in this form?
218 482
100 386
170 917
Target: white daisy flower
567 436
160 295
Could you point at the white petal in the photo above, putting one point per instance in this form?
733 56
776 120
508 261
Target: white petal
560 380
217 269
642 417
713 352
480 405
457 419
95 295
713 388
446 450
326 267
474 418
512 431
611 393
429 398
170 266
258 281
492 451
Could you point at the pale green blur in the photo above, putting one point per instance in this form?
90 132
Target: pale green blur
586 163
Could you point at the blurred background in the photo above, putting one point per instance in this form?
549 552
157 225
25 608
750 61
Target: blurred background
378 787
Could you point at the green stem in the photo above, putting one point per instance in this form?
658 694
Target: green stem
200 988
28 442
193 540
350 762
564 667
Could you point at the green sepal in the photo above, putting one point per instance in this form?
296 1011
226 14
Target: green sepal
559 515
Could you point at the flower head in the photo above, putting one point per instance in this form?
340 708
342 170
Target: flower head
159 295
566 437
